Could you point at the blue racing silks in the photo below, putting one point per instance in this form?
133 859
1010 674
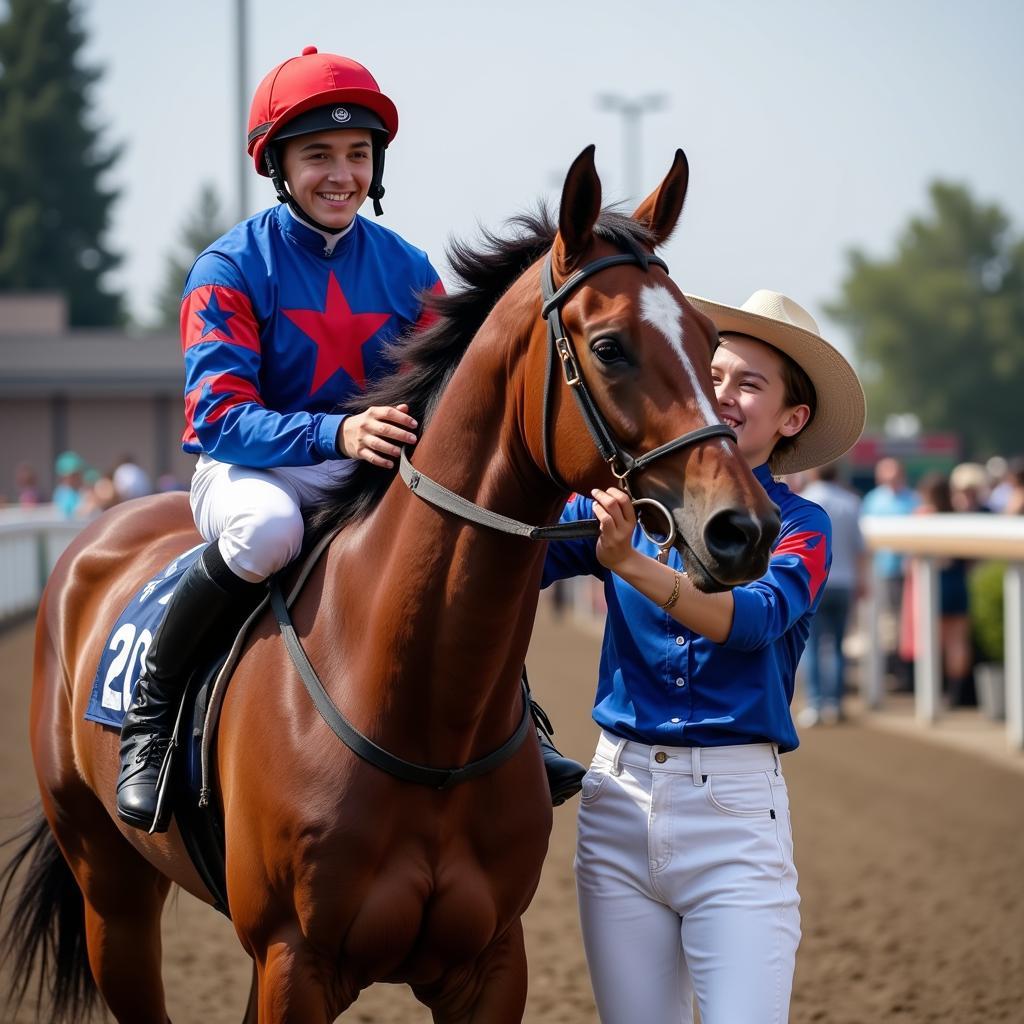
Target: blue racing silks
661 683
278 327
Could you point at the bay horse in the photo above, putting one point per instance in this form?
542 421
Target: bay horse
340 874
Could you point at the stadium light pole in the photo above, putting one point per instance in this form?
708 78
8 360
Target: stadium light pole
632 111
242 111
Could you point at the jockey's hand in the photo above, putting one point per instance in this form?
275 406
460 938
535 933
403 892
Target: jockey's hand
374 435
614 511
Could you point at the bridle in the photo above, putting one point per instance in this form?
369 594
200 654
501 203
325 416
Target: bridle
621 462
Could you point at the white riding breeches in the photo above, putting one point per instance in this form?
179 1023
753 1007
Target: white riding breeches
255 515
686 883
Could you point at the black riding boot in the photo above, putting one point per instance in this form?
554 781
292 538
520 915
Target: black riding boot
565 776
208 596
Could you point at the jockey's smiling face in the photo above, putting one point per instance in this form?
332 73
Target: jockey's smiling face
329 173
749 383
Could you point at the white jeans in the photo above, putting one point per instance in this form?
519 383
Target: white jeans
686 883
256 514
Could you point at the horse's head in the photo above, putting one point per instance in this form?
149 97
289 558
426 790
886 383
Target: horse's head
638 357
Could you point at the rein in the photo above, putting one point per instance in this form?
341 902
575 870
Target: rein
621 462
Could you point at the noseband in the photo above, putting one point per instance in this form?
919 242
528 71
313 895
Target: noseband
621 462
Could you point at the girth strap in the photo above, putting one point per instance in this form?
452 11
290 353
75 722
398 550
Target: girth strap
363 746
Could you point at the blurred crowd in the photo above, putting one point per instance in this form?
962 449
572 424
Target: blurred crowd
81 491
967 616
969 595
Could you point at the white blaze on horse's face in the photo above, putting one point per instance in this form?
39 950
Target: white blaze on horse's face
660 308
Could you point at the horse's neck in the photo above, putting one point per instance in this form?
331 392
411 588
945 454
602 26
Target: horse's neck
435 613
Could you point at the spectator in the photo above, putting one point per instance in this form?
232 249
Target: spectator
560 597
954 621
824 661
26 485
130 479
891 497
67 495
969 487
168 482
1014 504
97 495
997 469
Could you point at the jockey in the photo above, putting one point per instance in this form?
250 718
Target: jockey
283 319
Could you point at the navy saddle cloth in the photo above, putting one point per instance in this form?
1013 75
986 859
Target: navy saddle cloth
114 688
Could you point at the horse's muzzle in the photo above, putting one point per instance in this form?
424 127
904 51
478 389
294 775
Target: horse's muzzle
738 544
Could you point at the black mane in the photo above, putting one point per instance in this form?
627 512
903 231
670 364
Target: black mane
428 358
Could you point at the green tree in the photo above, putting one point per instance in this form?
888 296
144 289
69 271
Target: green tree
54 209
205 224
939 325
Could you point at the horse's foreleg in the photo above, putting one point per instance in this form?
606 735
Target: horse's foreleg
252 1008
297 985
493 991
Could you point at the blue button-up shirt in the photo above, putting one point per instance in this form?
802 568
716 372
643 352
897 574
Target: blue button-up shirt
660 682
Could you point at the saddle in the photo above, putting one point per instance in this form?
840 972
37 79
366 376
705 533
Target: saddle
187 781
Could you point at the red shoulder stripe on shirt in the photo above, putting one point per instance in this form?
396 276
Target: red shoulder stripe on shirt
213 312
809 547
235 391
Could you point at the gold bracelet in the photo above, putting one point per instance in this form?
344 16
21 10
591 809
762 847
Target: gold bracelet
675 593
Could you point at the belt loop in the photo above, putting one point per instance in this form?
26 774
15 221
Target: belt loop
698 779
778 761
616 767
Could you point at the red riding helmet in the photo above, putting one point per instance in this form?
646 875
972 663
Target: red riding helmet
312 80
333 92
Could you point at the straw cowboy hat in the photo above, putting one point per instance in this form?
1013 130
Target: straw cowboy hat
780 322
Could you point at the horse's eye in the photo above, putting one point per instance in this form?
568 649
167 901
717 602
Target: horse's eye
608 350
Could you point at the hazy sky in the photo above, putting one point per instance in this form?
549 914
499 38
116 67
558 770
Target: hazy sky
810 126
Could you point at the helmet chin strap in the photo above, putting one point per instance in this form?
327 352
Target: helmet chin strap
375 191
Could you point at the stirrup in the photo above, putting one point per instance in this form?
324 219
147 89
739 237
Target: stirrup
162 815
159 749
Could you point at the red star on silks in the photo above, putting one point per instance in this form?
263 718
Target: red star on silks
339 335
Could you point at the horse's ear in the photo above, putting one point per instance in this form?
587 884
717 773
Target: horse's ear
581 206
661 209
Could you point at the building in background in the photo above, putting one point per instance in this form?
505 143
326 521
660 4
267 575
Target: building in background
100 392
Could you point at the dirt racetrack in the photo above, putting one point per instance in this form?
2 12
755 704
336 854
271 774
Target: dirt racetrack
911 861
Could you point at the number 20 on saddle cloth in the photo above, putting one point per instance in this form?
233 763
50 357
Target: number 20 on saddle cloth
125 653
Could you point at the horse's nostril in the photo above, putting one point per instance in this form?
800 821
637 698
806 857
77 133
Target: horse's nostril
730 535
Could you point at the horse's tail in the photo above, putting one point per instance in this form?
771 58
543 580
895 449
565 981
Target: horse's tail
46 926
